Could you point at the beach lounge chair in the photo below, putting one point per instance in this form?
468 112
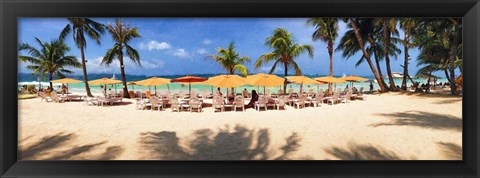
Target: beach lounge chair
282 101
239 103
90 101
335 98
174 104
290 91
270 102
56 98
138 94
310 92
267 92
148 94
218 104
195 104
300 102
155 103
347 97
359 95
262 102
317 100
131 94
45 97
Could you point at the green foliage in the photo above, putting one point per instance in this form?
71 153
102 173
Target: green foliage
230 60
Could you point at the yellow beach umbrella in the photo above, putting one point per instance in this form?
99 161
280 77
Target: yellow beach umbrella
226 81
133 83
302 80
66 80
330 79
265 80
104 81
354 78
154 81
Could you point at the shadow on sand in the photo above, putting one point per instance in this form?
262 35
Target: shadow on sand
423 119
239 144
451 151
362 152
48 147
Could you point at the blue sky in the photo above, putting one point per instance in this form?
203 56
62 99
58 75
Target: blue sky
179 46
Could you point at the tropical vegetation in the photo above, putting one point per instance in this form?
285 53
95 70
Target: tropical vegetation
285 51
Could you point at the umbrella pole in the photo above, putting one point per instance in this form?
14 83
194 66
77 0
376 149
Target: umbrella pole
155 89
264 91
212 89
168 86
189 89
115 88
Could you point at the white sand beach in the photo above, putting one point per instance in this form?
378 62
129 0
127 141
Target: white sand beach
405 126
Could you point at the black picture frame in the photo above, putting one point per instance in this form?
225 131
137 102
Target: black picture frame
12 9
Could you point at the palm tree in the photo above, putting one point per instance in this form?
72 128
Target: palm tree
49 59
408 25
80 27
439 41
285 50
371 33
230 60
122 34
353 23
326 30
389 27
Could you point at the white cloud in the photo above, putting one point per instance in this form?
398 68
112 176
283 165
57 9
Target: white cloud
201 51
155 45
95 66
207 42
181 53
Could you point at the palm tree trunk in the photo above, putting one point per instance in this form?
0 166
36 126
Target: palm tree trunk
377 61
405 62
330 53
122 70
84 68
453 86
365 53
285 82
386 38
446 74
51 78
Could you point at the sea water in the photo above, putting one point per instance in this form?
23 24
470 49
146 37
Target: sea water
177 87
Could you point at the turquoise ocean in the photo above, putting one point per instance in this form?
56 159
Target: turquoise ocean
27 79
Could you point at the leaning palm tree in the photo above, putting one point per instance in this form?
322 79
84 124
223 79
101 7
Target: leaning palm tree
50 59
408 25
389 28
80 27
353 22
230 60
326 30
122 34
285 50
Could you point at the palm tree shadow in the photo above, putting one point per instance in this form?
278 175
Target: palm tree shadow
239 144
362 152
423 119
44 144
72 152
452 151
49 145
448 101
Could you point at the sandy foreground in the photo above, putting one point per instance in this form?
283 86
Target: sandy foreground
389 126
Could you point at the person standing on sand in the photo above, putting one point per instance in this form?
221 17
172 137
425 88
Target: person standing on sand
245 93
219 92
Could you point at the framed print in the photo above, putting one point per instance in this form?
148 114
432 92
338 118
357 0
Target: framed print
234 88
